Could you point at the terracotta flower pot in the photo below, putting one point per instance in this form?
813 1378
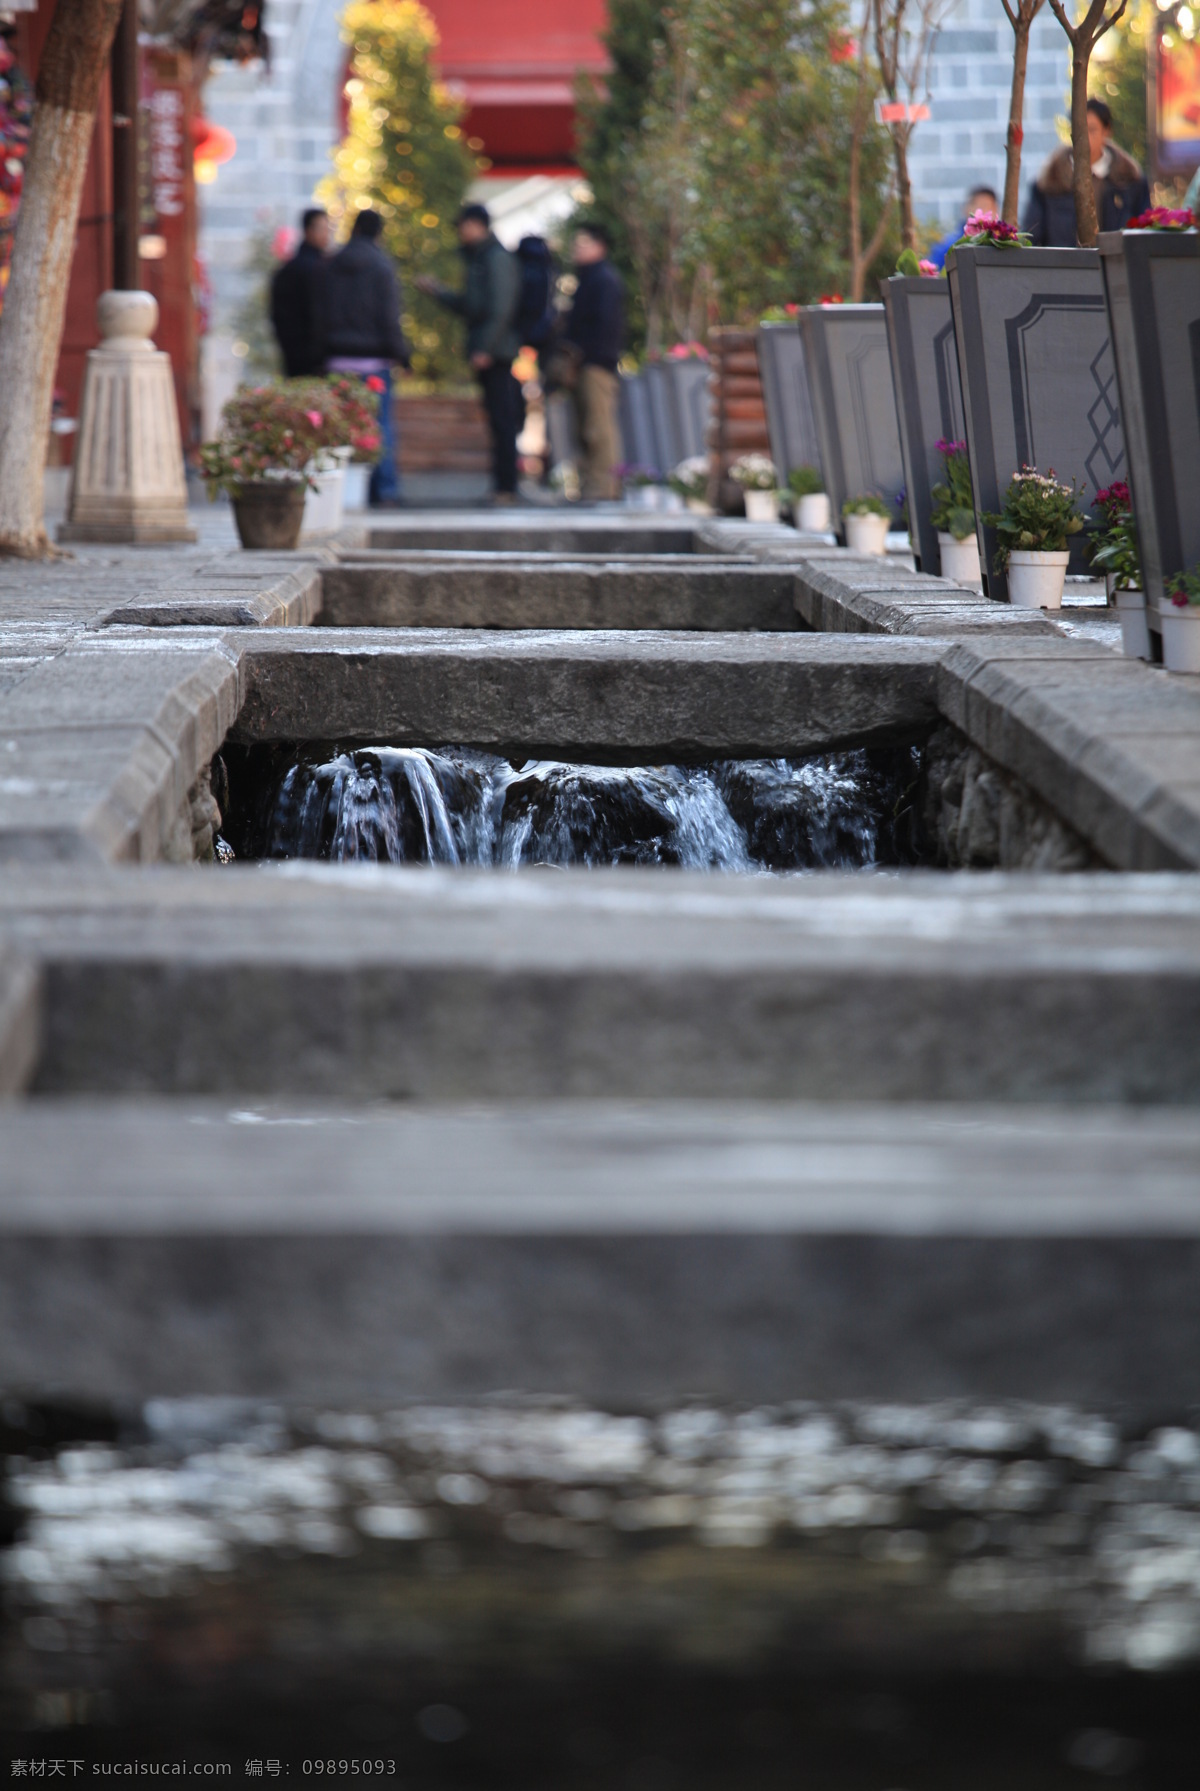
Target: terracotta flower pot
269 513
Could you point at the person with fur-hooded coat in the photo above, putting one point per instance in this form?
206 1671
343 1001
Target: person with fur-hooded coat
1122 191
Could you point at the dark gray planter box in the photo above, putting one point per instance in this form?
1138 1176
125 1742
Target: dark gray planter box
640 442
1038 378
657 382
1152 287
929 404
790 421
850 383
689 405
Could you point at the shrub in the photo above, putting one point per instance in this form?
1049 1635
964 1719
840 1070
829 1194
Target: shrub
805 481
1039 513
265 430
1114 537
754 472
953 500
867 503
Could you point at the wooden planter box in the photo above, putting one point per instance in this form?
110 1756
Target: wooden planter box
738 416
1038 378
1152 290
850 381
790 422
929 406
443 433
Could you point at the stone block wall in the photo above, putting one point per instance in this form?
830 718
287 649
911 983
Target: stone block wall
963 140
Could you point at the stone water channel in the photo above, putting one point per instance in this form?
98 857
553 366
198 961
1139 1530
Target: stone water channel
619 1325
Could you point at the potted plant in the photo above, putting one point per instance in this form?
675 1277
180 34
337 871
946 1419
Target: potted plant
361 441
953 516
1180 615
690 481
1115 554
260 458
345 425
810 505
640 485
867 520
1039 514
756 475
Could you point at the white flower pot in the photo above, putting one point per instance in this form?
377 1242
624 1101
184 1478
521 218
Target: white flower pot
960 561
641 497
1180 636
699 507
812 513
323 507
1135 629
1036 579
357 485
866 533
761 506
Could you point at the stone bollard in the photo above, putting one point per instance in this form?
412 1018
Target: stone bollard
128 482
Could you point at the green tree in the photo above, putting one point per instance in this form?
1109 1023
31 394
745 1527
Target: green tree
404 156
611 116
771 109
1119 76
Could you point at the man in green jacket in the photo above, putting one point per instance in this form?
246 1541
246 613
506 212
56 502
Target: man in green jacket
488 304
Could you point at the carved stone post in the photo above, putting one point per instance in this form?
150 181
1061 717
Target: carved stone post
128 480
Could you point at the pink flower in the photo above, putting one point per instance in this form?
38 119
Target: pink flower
315 418
1161 217
375 384
928 269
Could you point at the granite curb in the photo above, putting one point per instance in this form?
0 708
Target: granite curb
632 1253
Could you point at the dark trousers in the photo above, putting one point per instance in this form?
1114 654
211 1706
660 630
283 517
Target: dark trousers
499 389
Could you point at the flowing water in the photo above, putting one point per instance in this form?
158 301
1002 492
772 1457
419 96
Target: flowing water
412 805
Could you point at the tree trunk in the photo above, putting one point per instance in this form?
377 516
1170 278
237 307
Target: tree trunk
1016 126
908 228
855 209
1086 228
31 324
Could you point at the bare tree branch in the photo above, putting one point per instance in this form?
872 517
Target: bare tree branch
1083 35
906 32
1022 23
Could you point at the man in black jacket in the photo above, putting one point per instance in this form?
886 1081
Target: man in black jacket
365 336
596 330
298 299
1121 189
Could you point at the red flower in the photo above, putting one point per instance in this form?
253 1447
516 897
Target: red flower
375 384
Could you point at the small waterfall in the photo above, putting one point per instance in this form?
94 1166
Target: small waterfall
409 805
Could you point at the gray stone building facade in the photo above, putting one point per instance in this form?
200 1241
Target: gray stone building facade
286 122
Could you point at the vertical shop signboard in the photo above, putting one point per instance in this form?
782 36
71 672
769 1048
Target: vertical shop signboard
168 240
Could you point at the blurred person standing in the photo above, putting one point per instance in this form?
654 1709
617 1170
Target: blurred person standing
1122 190
488 304
595 336
300 299
365 336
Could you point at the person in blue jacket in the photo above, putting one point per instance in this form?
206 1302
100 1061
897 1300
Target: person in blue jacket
978 199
